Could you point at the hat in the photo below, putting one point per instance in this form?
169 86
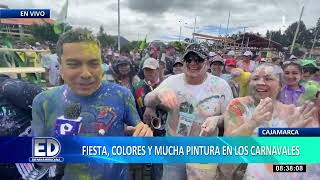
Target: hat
151 63
231 53
217 59
293 57
231 62
309 63
123 60
178 60
248 53
211 54
197 49
263 60
220 52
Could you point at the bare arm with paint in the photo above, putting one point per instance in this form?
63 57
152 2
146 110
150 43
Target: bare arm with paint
237 124
163 96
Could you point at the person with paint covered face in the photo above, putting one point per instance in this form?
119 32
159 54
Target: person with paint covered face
195 101
105 107
261 108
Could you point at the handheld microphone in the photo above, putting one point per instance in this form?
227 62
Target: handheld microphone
70 123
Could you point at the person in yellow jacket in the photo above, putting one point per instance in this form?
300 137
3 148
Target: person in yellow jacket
242 78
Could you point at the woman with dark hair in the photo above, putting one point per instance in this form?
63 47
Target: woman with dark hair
296 90
124 73
292 88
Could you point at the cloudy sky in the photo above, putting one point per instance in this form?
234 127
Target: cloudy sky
161 19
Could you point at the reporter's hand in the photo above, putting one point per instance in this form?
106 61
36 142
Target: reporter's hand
141 129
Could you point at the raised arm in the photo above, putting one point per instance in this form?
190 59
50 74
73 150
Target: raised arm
238 124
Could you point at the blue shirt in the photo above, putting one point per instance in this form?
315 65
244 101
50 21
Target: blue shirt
110 108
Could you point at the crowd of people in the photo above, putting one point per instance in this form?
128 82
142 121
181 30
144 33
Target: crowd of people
158 92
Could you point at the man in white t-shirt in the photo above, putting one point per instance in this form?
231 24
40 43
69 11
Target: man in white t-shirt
195 101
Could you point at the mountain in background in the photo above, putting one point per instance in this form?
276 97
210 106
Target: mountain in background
123 40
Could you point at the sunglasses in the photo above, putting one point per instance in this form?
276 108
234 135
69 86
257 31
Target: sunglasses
194 58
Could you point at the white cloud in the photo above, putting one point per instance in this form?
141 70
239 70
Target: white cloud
160 18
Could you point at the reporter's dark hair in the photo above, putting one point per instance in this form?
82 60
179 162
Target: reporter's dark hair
73 36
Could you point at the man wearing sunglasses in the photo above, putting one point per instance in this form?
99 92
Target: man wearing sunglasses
195 101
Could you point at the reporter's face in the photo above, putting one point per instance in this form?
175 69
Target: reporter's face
81 67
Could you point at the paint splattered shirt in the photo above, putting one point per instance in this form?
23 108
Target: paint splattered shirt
109 108
241 110
197 102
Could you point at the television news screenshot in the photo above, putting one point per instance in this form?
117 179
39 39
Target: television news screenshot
159 90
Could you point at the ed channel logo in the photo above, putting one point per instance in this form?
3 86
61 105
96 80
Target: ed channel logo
45 149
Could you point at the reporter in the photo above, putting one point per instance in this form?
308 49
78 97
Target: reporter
105 107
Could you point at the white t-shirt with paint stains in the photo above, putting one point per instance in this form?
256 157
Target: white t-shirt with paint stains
197 102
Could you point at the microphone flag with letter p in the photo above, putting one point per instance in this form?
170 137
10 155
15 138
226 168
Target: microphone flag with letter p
70 123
